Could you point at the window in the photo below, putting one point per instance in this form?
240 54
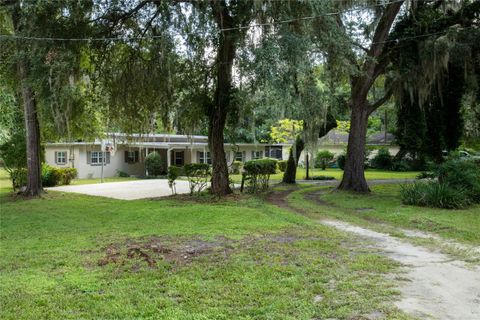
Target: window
257 155
60 157
96 157
131 156
178 158
202 155
274 152
240 156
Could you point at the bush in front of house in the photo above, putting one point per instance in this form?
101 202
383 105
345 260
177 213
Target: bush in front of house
257 173
52 176
382 160
457 186
198 175
236 167
67 175
122 174
154 164
282 165
322 158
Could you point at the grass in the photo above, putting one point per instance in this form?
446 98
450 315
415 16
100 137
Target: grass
370 174
68 256
383 206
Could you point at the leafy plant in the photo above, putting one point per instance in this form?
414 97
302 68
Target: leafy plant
18 176
122 174
282 165
172 174
434 194
461 174
322 158
154 164
341 161
257 173
198 175
67 175
382 160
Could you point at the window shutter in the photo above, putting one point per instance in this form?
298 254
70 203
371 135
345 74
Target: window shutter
56 158
199 157
107 157
89 157
136 155
126 156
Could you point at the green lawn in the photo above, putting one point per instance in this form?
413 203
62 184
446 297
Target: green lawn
370 174
69 256
383 206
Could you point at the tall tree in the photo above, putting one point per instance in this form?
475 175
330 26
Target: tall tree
30 64
374 63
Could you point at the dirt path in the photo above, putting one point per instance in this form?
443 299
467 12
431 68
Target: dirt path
437 286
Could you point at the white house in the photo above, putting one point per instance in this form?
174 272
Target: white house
127 153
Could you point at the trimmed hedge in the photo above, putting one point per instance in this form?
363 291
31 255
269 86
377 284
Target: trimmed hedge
257 173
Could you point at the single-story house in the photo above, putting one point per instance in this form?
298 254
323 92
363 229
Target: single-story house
126 153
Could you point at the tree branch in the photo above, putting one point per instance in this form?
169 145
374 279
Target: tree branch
374 106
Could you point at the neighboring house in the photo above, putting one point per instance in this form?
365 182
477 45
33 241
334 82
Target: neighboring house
126 153
336 142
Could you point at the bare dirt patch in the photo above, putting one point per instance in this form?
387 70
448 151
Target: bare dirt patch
155 251
150 251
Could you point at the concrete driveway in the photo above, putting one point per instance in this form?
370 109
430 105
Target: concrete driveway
127 190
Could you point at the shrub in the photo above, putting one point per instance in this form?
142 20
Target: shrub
257 173
122 174
322 178
173 173
198 175
154 164
50 176
322 158
282 165
18 177
434 194
236 167
382 160
67 175
461 174
341 161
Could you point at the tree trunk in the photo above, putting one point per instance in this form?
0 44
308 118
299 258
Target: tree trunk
354 172
217 113
32 129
